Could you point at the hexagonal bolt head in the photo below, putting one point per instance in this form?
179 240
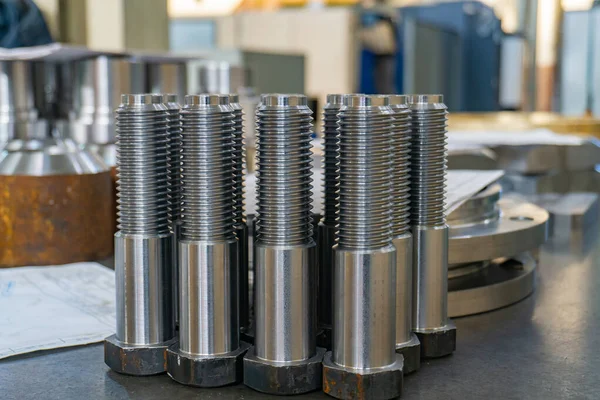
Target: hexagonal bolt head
136 360
346 383
283 379
206 371
411 351
438 343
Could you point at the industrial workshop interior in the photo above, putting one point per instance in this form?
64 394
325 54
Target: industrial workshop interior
349 199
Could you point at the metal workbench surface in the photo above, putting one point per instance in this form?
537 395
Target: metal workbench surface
545 347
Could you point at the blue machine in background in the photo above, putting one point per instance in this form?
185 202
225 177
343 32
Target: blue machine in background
448 48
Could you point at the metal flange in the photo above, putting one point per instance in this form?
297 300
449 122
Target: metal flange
493 285
487 227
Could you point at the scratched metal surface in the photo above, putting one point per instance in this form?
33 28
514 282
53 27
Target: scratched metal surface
545 347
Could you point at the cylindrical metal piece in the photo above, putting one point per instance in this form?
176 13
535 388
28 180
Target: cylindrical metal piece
407 343
239 215
331 172
364 251
363 363
144 243
284 330
209 348
208 277
17 102
284 251
428 224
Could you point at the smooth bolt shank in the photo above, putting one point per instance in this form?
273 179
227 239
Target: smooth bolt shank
407 343
428 223
327 227
283 359
208 353
144 243
364 340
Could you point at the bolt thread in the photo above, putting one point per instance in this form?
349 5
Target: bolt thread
206 168
174 128
284 175
365 213
428 160
331 159
142 165
401 136
239 156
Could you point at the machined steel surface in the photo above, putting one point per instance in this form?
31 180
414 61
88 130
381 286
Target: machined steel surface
17 103
284 252
326 228
436 332
144 242
407 343
209 352
587 180
492 285
364 332
488 226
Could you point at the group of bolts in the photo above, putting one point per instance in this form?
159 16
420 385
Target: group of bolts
369 283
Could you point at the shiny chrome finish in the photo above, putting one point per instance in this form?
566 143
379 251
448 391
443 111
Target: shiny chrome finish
285 359
407 342
364 295
144 243
326 228
167 77
436 332
17 102
487 227
209 352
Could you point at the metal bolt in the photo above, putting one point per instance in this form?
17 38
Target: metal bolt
285 359
239 216
436 332
327 227
407 342
364 341
144 243
209 350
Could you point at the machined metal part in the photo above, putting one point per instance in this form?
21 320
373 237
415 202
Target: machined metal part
171 102
326 228
587 180
491 285
407 342
56 207
488 226
436 332
239 215
209 352
144 242
166 76
363 363
17 103
471 156
285 359
96 87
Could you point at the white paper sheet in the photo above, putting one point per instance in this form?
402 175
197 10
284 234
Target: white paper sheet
55 306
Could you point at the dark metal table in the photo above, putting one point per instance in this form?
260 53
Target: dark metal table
545 347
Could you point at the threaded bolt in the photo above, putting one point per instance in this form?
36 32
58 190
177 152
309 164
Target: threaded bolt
401 136
206 178
428 160
331 161
142 164
284 175
364 214
239 157
174 128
